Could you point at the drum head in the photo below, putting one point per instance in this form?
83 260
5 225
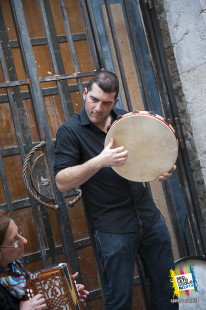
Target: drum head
151 144
196 298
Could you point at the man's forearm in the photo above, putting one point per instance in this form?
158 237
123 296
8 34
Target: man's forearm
72 177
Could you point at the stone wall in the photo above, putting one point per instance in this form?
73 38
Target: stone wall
183 28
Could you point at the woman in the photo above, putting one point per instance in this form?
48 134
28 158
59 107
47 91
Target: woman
13 274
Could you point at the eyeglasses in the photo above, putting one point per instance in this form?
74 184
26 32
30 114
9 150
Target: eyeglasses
16 243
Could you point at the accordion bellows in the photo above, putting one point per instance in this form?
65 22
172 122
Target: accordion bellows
57 286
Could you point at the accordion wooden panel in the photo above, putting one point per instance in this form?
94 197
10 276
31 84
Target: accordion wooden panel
57 286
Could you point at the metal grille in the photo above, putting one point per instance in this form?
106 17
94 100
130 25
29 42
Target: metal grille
25 87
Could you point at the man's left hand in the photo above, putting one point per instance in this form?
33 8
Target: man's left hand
166 175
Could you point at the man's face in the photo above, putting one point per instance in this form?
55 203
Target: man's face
98 105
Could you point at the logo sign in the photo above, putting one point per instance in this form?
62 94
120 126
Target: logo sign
184 281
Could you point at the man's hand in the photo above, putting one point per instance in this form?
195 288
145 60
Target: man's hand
75 176
166 175
111 157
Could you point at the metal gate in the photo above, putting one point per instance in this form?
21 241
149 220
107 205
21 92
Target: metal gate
49 50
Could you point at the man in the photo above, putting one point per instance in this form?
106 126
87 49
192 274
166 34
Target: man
124 217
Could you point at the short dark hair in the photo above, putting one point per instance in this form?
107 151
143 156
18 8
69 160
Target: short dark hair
107 81
5 217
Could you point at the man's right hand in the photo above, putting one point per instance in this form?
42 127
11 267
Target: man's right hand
75 176
111 157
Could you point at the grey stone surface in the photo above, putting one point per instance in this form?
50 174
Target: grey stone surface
183 28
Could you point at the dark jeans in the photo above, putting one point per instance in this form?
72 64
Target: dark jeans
118 252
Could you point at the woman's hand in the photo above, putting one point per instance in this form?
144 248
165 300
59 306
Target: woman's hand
80 289
35 303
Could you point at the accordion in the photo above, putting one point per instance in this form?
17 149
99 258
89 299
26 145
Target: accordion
57 287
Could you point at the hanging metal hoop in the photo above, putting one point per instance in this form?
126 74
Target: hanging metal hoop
79 196
29 189
25 173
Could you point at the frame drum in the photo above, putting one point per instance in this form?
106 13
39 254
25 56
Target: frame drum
151 143
194 299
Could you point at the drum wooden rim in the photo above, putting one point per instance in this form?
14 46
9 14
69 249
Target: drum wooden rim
151 143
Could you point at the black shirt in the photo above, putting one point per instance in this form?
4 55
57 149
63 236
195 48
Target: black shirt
113 203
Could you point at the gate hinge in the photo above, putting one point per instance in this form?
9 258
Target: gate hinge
179 132
150 3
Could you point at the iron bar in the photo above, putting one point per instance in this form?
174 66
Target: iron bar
3 98
48 79
64 102
12 75
12 107
13 150
59 250
43 40
97 42
96 39
117 50
94 294
69 36
157 67
174 219
61 70
45 92
71 45
188 201
18 204
5 185
75 75
137 55
13 83
90 36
